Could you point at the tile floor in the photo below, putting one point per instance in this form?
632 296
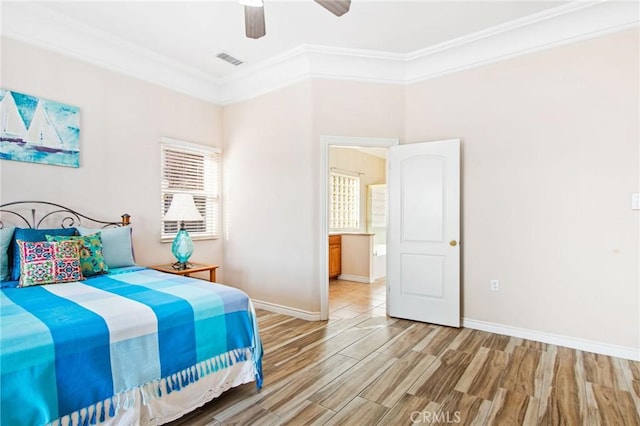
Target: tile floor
349 299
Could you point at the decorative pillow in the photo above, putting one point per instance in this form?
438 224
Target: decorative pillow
33 235
116 245
91 257
5 240
44 262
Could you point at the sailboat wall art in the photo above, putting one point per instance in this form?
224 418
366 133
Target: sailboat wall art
38 130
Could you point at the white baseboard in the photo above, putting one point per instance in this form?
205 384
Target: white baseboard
555 339
286 310
356 278
618 351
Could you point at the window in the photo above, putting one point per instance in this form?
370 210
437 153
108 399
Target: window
345 202
193 169
378 206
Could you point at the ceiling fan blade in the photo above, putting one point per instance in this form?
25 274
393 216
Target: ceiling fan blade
337 7
254 21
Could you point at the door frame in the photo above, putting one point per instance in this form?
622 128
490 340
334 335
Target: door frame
323 233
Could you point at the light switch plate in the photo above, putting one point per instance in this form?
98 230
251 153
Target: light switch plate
635 201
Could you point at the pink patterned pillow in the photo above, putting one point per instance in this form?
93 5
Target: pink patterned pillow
46 262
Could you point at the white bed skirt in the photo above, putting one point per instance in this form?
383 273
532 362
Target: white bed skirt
157 411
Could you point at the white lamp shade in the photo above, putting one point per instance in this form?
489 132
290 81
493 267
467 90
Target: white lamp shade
182 208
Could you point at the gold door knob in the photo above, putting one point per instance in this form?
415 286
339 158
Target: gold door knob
453 243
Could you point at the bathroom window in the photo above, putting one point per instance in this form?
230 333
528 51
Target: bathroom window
377 206
345 203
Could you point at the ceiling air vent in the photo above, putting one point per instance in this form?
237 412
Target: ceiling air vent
229 58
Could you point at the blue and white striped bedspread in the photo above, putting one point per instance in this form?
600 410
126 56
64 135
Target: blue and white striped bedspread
76 347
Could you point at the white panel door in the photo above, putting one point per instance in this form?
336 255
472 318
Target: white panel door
423 253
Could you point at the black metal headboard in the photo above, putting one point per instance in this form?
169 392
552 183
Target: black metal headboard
41 211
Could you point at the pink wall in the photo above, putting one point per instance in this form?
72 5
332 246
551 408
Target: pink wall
122 121
269 197
347 108
272 181
550 158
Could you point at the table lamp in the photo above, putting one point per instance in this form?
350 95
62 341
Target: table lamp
182 209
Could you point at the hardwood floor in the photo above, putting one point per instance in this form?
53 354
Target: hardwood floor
363 368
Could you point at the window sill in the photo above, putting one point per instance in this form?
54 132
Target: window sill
193 238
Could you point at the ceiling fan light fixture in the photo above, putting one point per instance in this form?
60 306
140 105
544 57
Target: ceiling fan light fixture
254 22
337 7
254 26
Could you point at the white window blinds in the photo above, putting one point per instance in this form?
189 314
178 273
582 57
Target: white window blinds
192 169
345 202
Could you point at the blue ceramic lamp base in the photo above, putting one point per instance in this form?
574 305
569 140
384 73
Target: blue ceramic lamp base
182 249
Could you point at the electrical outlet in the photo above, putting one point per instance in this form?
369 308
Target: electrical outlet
495 285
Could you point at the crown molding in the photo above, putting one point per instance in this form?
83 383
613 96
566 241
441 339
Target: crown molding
41 27
312 61
555 27
565 24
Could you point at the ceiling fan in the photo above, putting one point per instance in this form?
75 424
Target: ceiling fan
254 14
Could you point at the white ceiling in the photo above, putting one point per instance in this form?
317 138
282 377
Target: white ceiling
174 43
192 33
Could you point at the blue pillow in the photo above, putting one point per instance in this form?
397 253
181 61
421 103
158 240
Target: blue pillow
116 245
5 240
9 284
33 235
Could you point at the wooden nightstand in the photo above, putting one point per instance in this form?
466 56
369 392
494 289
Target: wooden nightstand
196 267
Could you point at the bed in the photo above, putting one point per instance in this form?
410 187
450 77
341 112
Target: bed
128 346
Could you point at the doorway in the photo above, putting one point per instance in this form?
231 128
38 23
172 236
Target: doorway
342 288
